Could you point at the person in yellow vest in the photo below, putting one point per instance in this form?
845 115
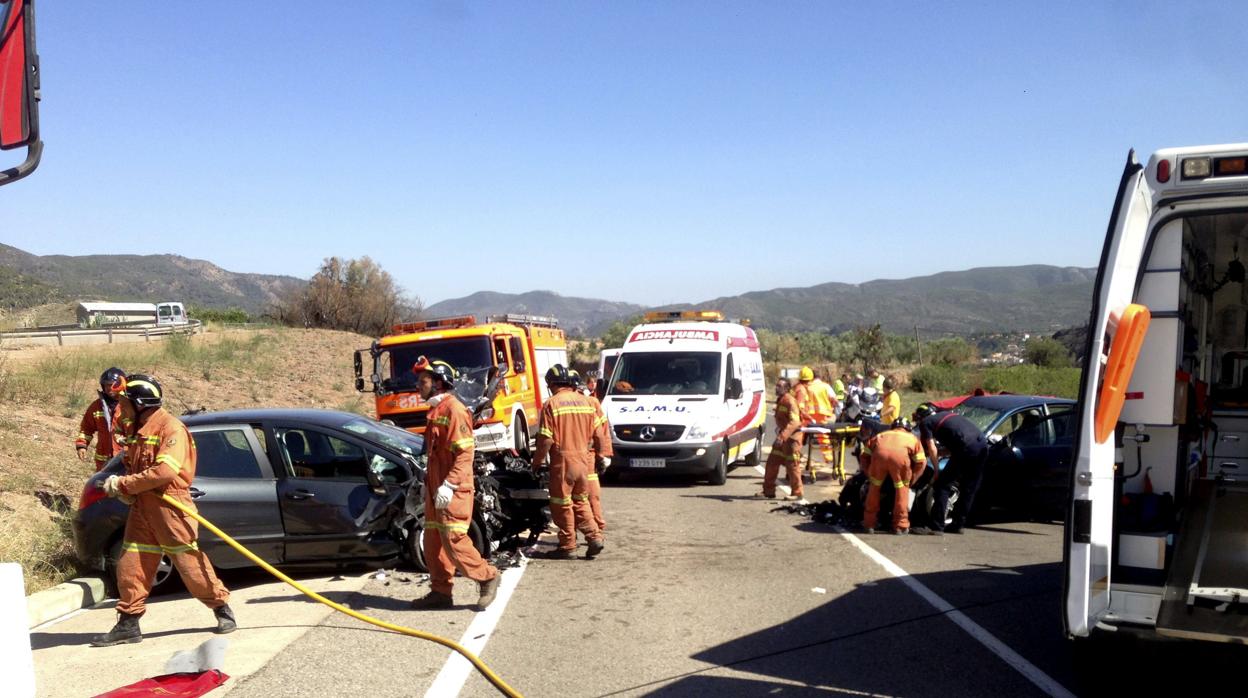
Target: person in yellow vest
891 411
875 380
823 407
840 389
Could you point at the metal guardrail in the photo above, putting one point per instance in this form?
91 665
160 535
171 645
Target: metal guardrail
97 335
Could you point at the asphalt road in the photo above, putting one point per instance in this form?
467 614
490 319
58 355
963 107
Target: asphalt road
701 590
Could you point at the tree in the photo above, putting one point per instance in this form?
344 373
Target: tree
869 346
1047 352
355 295
950 351
615 335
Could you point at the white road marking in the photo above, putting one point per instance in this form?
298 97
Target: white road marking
450 681
1042 680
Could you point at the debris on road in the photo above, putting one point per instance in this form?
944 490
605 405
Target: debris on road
828 512
819 590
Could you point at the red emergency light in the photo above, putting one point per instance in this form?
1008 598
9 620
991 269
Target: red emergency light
1163 170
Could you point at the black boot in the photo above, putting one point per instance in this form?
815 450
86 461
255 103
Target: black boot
125 632
433 601
489 589
225 619
595 547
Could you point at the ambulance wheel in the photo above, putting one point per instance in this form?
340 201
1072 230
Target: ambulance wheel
414 548
163 581
753 459
719 475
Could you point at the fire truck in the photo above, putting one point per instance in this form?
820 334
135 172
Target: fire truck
520 348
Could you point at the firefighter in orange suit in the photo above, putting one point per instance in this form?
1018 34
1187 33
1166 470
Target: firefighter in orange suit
160 460
897 454
101 420
823 410
570 434
449 492
787 449
602 458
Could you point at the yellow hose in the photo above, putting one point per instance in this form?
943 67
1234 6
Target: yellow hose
476 661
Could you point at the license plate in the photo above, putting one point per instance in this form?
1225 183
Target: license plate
647 463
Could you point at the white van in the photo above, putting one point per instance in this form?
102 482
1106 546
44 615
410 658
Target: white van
170 313
1156 531
687 396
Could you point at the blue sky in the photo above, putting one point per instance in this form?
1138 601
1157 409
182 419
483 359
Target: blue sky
636 151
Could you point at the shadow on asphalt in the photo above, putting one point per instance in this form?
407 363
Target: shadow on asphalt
355 600
635 478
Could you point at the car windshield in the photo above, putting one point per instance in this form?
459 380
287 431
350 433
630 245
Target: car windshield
666 373
983 417
467 355
394 437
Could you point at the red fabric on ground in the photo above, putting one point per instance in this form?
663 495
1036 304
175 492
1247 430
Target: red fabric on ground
177 685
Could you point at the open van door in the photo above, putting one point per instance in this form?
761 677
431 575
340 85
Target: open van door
19 87
1089 522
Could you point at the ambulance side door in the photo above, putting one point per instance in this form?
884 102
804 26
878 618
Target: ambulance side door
1089 520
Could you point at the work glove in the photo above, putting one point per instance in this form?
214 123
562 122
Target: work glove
112 488
606 462
442 498
82 452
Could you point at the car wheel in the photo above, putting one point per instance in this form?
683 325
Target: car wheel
720 474
752 460
164 579
520 431
414 548
929 504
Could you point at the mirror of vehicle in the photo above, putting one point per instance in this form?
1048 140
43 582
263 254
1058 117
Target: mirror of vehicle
19 87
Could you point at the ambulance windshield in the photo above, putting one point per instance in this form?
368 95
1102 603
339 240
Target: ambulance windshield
666 373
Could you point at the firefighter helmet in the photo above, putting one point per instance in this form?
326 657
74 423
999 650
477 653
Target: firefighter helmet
113 382
440 370
923 411
559 375
144 391
806 374
577 379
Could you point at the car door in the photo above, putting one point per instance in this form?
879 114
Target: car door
235 488
328 508
1044 451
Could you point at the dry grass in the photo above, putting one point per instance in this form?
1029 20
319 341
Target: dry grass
45 391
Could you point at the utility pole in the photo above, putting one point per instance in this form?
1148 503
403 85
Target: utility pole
918 344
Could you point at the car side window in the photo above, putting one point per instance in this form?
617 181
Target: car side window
311 453
517 354
225 453
388 470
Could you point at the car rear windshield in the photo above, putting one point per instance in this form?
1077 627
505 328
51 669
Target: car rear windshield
465 354
667 373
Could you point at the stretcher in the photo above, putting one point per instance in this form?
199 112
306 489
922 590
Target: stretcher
839 433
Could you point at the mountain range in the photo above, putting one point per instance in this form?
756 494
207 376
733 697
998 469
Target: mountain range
27 280
1033 298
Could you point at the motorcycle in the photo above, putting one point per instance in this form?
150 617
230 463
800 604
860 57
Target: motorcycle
862 403
509 500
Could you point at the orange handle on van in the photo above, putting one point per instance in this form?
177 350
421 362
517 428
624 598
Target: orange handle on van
1123 353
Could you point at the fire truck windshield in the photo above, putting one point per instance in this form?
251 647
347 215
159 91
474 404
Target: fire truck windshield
468 355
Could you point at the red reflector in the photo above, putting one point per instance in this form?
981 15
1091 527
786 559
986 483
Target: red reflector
90 495
1163 170
1232 166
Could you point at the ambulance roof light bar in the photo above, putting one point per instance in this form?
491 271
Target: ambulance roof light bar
684 315
443 323
533 320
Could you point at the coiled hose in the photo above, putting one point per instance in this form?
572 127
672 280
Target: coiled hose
489 675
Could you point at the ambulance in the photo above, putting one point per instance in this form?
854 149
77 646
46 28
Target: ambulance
1156 536
686 395
519 347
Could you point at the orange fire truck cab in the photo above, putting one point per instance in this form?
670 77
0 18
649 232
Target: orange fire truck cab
521 347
